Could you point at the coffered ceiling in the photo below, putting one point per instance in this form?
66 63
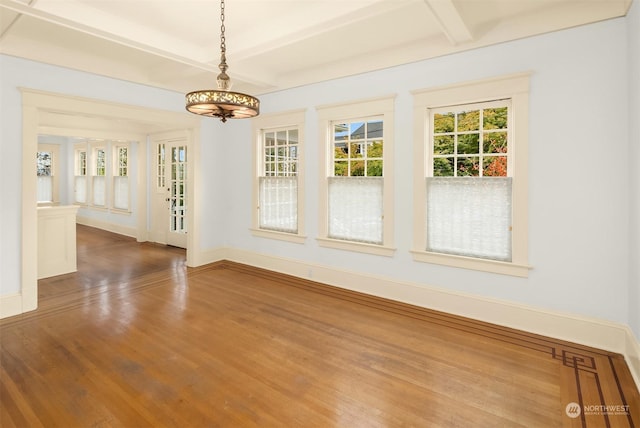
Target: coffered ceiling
271 44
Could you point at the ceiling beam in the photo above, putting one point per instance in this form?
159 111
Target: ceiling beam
450 20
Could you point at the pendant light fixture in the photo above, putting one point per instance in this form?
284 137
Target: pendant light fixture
222 102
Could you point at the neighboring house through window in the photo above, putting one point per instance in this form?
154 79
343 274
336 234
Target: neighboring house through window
356 181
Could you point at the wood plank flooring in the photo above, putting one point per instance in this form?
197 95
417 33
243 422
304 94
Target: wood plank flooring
136 339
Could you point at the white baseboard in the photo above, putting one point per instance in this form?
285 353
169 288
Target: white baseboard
632 355
109 227
18 303
195 259
10 305
597 333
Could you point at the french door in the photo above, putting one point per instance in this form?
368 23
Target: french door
169 207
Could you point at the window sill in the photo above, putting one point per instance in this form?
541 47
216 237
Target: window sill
98 208
120 211
360 247
493 266
282 236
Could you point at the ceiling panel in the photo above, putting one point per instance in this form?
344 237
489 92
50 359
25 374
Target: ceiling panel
271 44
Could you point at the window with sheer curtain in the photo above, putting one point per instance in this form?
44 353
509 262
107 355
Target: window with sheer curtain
355 209
45 176
80 179
98 180
278 183
469 216
470 188
278 187
355 189
356 183
121 178
102 174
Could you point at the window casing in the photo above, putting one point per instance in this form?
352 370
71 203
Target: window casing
470 163
279 176
356 182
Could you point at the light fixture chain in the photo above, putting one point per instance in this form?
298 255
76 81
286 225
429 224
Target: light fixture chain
223 42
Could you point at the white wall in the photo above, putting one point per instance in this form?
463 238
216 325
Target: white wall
579 176
633 37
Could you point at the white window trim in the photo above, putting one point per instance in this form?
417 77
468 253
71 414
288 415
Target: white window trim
515 87
264 122
383 106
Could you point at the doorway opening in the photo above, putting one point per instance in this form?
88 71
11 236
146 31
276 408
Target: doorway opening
57 114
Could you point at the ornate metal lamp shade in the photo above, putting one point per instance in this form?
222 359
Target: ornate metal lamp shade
222 102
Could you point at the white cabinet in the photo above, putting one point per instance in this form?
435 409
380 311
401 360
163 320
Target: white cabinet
56 240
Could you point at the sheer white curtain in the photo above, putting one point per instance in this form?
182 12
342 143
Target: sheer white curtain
355 209
469 216
99 191
81 189
279 203
121 193
45 188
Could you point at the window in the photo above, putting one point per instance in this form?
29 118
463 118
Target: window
471 188
278 179
161 165
80 178
468 187
102 174
47 170
355 188
45 176
279 183
357 179
98 178
178 186
121 177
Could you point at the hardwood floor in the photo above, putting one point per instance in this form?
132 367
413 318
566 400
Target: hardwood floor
136 339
